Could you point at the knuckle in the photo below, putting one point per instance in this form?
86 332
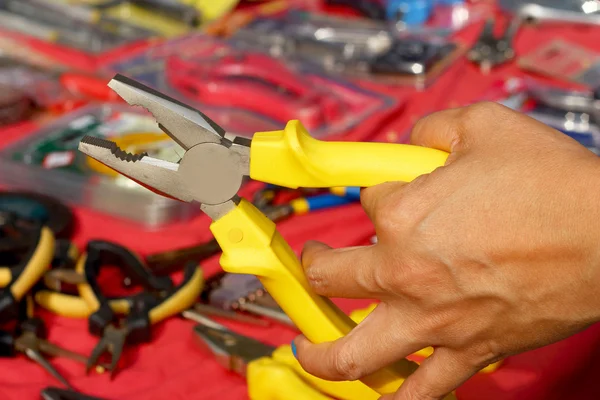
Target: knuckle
314 275
345 365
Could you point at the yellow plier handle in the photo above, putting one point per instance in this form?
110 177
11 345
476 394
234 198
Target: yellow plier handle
36 263
251 244
293 159
269 379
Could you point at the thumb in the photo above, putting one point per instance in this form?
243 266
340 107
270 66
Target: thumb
436 378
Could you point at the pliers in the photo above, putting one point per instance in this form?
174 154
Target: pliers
60 300
212 170
490 51
18 280
263 364
29 339
143 310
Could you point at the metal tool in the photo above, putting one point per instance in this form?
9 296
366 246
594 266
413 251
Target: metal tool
211 172
490 51
263 364
52 393
268 312
200 313
30 341
363 47
146 308
573 11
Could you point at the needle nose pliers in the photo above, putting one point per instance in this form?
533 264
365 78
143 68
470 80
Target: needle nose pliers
213 169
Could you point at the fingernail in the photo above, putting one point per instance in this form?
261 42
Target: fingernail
294 349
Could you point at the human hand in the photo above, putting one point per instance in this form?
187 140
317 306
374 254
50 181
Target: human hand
493 254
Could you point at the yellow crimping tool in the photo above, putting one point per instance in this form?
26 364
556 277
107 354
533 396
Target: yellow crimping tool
212 171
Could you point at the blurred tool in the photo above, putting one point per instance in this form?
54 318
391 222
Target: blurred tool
212 171
52 393
168 261
170 8
351 193
210 311
17 281
15 106
363 47
39 208
30 341
490 50
263 365
230 80
572 11
146 308
564 60
63 280
57 21
414 12
575 113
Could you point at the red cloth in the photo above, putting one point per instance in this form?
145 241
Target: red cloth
173 367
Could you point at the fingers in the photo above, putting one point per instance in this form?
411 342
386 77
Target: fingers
349 272
375 343
438 130
437 376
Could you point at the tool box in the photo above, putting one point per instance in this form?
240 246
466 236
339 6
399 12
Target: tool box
47 161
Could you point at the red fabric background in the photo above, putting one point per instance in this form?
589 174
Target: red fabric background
173 367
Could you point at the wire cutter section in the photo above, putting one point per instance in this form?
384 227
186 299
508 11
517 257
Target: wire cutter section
211 172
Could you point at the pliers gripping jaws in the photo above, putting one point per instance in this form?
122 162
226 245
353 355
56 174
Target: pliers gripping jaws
211 172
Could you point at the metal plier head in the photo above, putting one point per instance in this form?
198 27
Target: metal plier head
210 172
232 350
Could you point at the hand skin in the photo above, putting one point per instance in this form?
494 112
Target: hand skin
491 255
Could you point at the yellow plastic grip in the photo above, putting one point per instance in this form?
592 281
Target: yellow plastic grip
302 161
251 245
72 306
5 276
84 289
38 264
271 380
180 300
354 390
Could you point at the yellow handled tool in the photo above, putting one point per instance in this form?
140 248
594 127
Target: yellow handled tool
17 281
263 365
212 171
